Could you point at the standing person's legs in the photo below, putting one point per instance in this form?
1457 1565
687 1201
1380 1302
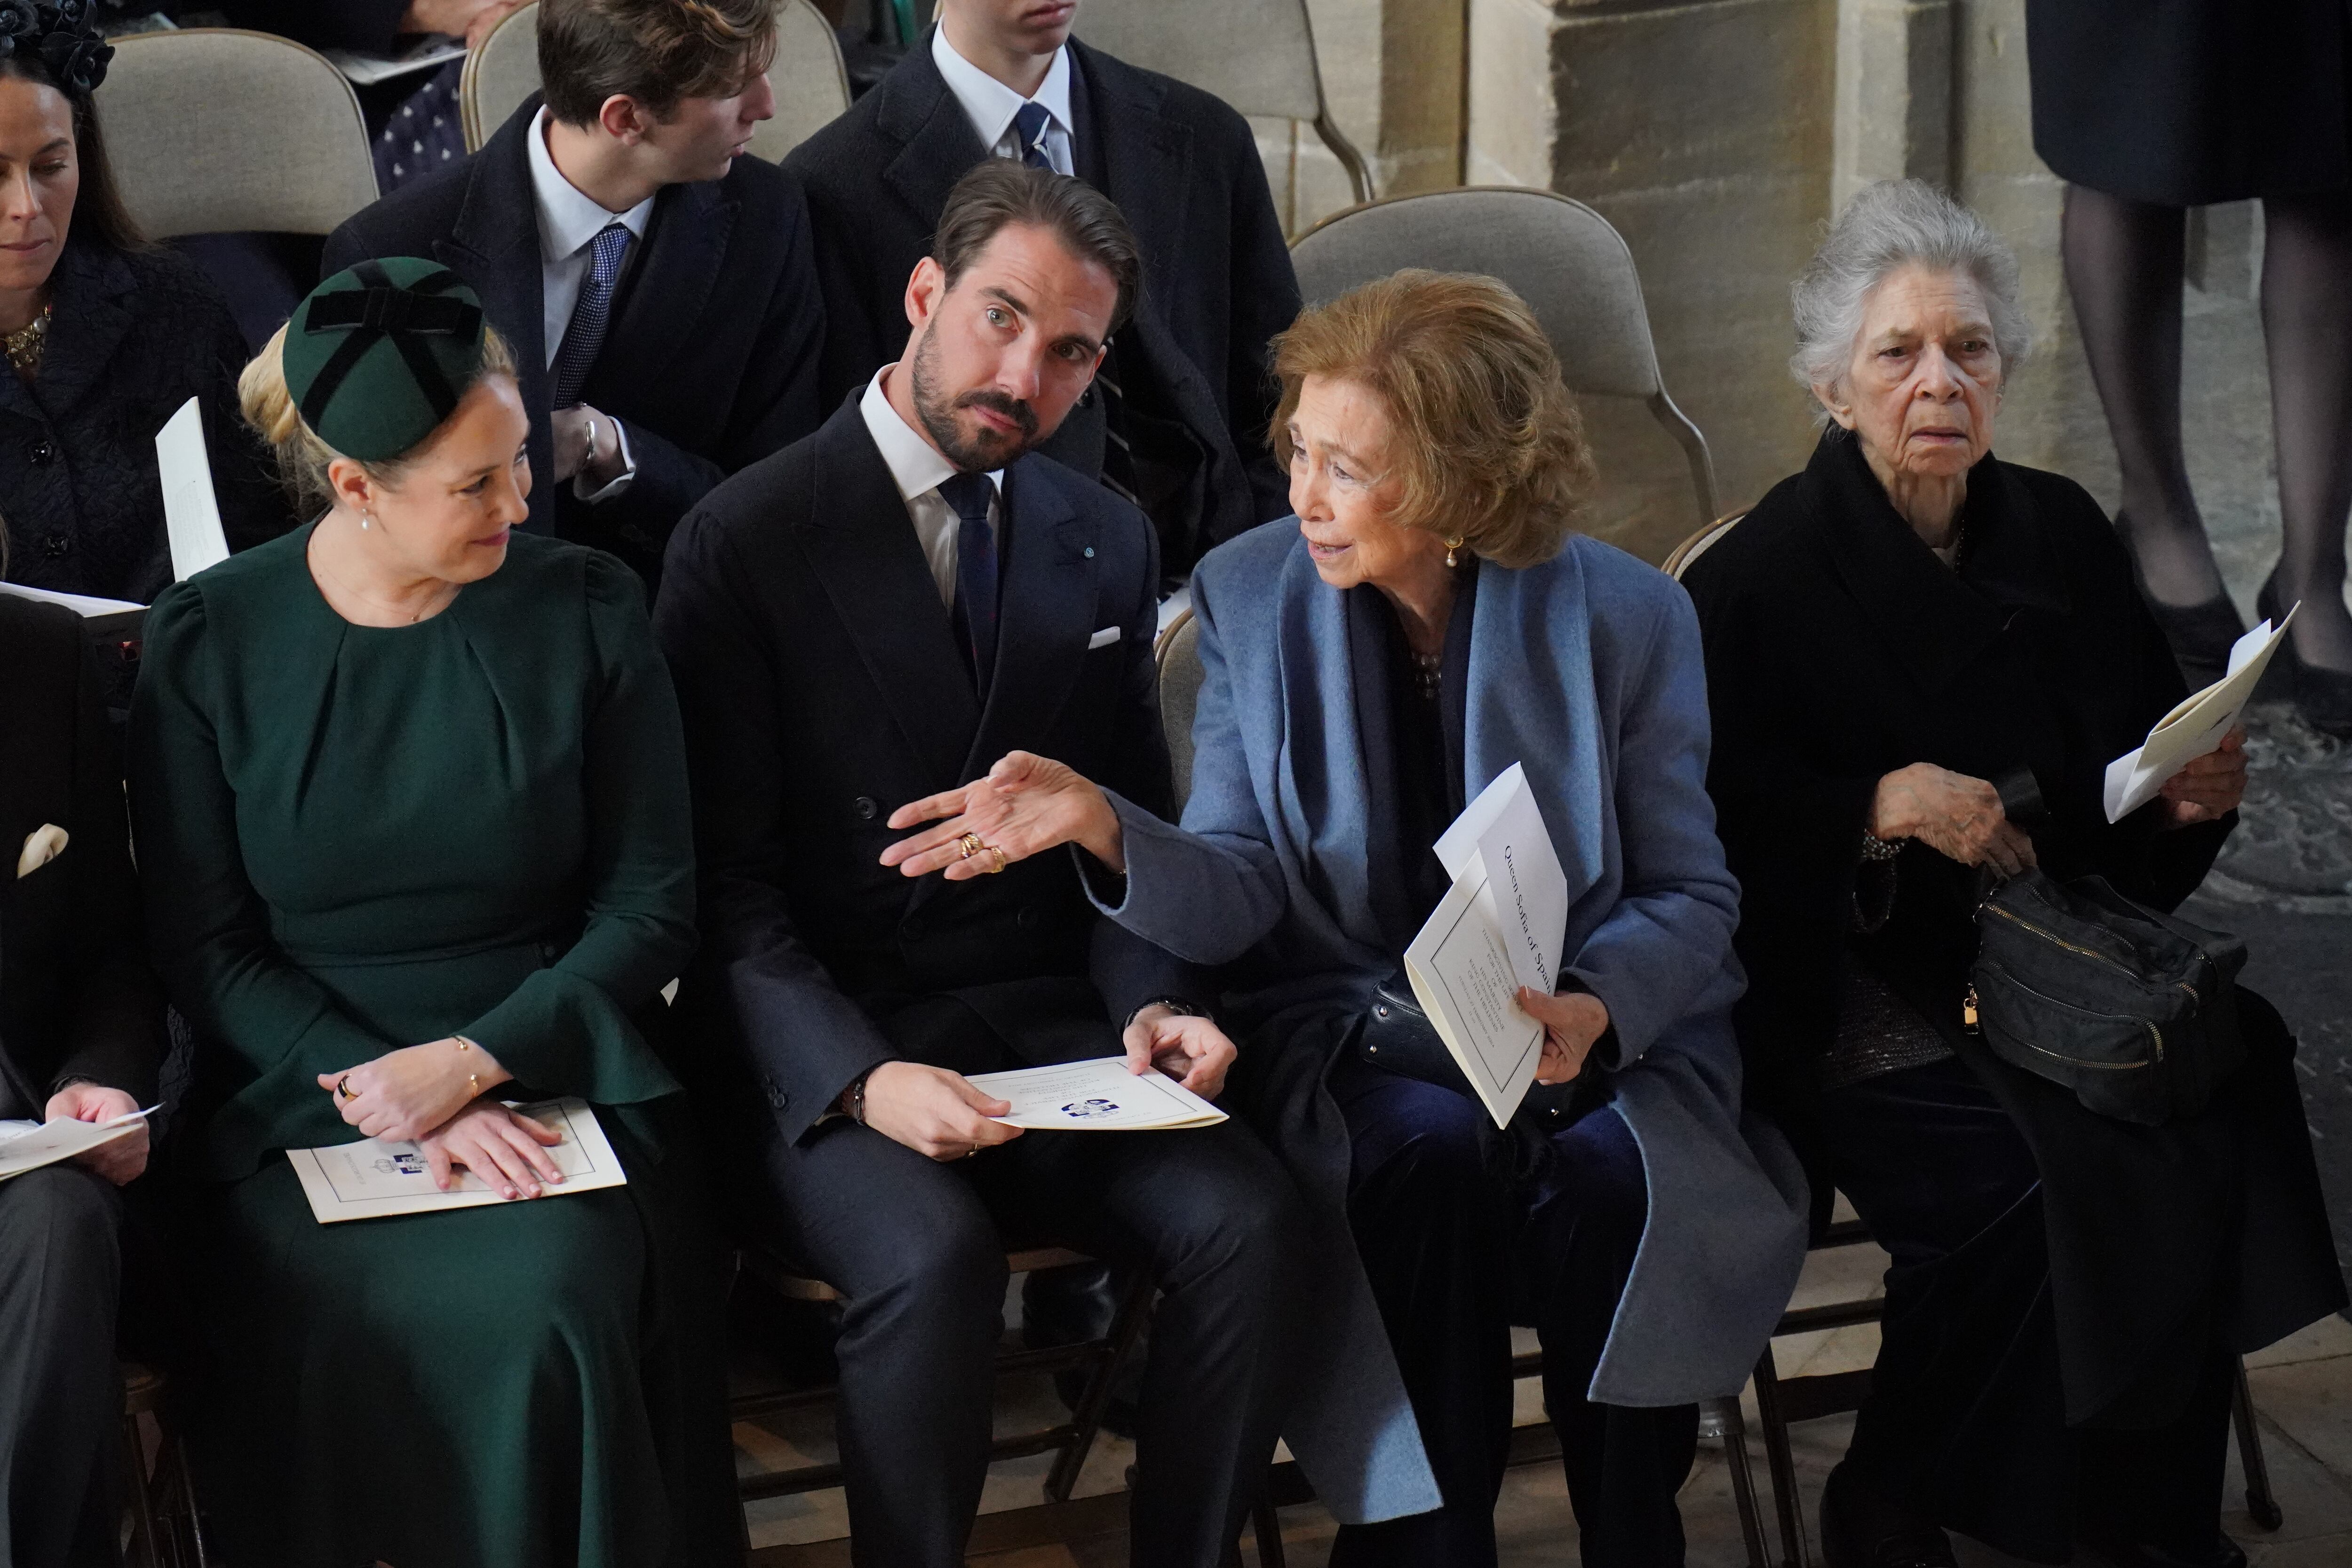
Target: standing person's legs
1433 1227
60 1395
1216 1220
2307 329
2124 268
1586 1211
911 1248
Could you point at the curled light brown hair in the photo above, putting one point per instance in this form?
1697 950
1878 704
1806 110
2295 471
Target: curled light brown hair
658 52
269 406
1488 443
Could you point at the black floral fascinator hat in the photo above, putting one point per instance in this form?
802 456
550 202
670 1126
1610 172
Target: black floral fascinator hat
63 36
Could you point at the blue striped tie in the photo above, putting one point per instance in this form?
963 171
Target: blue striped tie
583 335
1029 123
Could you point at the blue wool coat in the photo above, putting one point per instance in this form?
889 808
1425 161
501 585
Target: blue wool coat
1587 670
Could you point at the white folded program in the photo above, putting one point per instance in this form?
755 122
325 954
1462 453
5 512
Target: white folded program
2194 727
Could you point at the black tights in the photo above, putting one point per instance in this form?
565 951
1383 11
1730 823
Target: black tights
2125 264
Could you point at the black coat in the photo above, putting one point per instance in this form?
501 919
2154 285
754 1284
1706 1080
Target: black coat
823 689
76 999
1217 283
133 336
711 356
369 26
2193 101
1839 650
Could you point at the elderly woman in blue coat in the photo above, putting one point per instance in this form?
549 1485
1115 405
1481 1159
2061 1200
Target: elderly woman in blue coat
1427 620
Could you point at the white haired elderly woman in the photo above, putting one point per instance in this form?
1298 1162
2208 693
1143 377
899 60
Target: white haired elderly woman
1920 660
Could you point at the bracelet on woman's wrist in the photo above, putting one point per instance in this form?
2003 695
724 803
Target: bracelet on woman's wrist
1880 850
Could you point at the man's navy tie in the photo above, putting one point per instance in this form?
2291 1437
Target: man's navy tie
583 335
1029 122
975 597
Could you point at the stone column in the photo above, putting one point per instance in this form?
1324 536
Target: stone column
1895 80
1701 129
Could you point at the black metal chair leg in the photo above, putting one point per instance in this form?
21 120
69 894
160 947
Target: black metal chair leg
2261 1501
1125 1329
1732 1428
1267 1523
1782 1464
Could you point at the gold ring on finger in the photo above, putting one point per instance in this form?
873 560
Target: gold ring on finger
969 845
1001 861
343 1087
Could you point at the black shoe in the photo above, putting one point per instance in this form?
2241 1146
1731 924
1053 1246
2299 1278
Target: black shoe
1861 1530
2200 635
2323 696
2223 1553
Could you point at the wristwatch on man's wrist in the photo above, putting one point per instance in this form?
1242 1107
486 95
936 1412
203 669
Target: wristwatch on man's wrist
1175 1005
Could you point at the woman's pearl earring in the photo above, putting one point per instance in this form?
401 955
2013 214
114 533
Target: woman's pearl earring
366 518
1452 545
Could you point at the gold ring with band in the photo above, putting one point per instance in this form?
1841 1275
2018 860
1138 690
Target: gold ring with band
343 1087
969 845
1001 861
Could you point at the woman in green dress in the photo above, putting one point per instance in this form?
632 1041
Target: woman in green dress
411 817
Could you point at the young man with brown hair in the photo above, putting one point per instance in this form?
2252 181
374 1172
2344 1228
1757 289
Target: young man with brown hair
659 287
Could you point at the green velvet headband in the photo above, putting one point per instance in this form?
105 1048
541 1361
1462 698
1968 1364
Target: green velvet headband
378 356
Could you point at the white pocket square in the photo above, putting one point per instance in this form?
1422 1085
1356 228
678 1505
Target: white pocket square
1102 638
43 845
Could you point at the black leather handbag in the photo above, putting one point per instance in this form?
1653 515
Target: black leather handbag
1397 1036
2133 1010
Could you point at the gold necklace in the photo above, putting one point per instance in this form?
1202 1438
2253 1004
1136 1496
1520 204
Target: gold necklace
25 344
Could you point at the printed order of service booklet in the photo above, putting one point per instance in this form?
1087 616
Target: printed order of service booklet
1499 927
371 1179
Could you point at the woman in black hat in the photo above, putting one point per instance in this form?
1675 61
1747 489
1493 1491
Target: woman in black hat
411 801
105 338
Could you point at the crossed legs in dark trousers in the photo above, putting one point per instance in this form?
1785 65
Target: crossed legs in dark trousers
916 1249
1450 1248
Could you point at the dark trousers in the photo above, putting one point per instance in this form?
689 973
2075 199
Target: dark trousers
916 1249
60 1395
1966 1420
1456 1252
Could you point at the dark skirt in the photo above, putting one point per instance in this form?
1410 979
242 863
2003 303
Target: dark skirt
2068 1292
2188 102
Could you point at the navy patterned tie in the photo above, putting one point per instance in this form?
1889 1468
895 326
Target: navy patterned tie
975 598
1029 122
583 335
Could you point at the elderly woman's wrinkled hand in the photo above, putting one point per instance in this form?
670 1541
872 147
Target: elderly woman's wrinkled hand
1572 1021
1026 806
2210 786
1957 817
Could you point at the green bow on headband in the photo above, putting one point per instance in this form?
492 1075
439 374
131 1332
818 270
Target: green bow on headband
378 356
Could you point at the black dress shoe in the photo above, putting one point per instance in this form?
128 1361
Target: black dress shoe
2200 635
2323 696
2223 1553
1861 1529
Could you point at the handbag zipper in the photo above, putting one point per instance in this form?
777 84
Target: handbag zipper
2155 1035
2052 937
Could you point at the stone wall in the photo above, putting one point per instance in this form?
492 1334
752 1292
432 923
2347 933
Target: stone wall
1703 131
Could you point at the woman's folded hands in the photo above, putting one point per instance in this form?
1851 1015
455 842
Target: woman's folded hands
439 1096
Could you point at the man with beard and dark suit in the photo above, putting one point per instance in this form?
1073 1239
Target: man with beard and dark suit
1177 418
865 620
81 1030
657 285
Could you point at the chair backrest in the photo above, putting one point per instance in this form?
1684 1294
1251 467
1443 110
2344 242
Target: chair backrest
1178 653
216 130
1678 560
1559 256
811 84
1257 55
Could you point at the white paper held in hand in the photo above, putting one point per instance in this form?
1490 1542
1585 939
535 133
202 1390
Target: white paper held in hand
30 1145
2195 727
1097 1095
371 1179
191 510
1499 927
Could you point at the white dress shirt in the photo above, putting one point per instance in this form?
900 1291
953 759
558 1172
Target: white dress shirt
990 105
569 223
916 468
